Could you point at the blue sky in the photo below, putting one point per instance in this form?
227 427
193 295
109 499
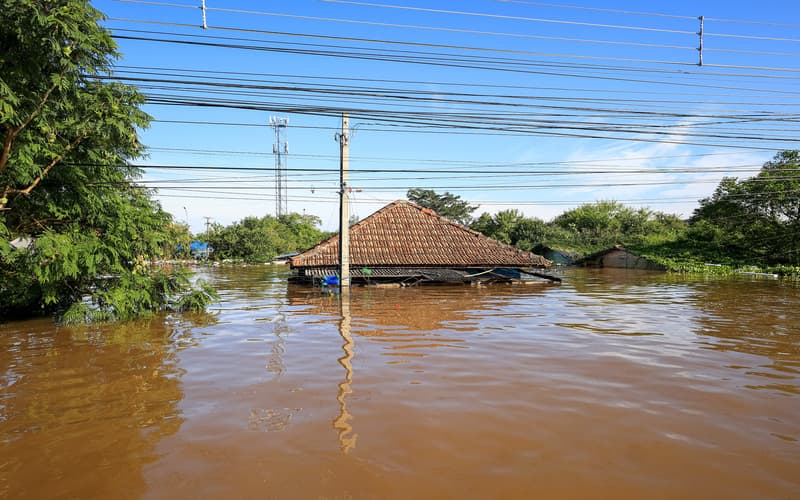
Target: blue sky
607 102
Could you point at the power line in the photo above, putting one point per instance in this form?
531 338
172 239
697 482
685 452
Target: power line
456 125
439 160
748 37
557 21
161 70
509 17
456 30
454 130
406 43
509 65
234 197
486 187
469 174
364 129
416 96
653 14
372 92
523 2
760 68
494 173
331 170
599 9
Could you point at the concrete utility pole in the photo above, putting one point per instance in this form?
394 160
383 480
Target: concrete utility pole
344 209
280 149
700 34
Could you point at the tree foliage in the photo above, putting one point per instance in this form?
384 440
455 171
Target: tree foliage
67 136
586 228
260 239
756 219
603 224
510 226
447 205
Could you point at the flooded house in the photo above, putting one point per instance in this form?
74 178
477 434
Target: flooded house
557 256
406 244
619 257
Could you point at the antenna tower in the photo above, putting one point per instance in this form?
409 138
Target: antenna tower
280 149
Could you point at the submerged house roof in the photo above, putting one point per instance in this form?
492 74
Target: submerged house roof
619 257
557 256
403 234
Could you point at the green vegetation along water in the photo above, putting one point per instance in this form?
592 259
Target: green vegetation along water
614 384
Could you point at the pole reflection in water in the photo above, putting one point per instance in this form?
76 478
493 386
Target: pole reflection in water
347 439
275 362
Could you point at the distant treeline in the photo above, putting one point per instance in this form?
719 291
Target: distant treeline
755 221
261 239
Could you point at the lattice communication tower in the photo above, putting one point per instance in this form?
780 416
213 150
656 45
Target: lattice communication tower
280 149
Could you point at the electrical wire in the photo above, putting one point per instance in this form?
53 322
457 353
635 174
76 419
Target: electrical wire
456 30
509 65
598 9
455 125
423 97
373 92
395 25
652 14
557 21
443 160
336 81
509 17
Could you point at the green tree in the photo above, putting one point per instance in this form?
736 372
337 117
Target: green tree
260 239
605 223
510 226
447 205
179 240
754 219
67 135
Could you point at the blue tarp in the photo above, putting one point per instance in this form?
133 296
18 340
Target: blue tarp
198 246
330 281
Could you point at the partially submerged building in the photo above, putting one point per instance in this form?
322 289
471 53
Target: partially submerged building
557 256
621 258
404 243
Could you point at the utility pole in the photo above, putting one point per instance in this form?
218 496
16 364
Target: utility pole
280 149
700 34
344 209
207 253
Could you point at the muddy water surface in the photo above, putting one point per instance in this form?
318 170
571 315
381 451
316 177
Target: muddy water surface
613 385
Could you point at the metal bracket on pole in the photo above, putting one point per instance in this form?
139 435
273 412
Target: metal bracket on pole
203 8
700 47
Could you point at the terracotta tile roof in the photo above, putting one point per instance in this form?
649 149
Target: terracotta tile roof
405 234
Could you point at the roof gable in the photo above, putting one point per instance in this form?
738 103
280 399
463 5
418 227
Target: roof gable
405 234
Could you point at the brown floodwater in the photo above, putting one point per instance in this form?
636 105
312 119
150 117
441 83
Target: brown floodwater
613 385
